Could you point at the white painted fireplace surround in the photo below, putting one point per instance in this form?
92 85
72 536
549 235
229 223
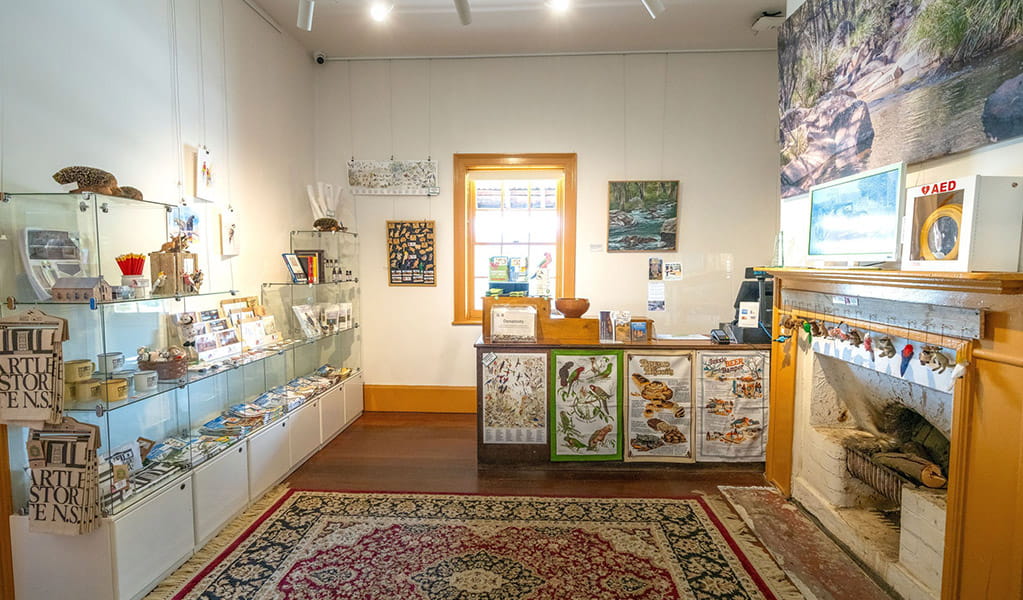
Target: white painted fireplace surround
840 391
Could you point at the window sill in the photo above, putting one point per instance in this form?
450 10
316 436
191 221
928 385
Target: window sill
467 322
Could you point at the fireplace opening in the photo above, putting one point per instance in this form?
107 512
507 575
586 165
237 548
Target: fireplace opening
907 451
871 456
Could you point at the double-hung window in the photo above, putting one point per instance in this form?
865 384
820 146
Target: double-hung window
515 228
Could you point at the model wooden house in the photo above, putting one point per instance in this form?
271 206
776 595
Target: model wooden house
81 289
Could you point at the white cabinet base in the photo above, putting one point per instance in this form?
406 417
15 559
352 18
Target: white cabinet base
48 566
353 399
220 490
305 432
269 457
153 539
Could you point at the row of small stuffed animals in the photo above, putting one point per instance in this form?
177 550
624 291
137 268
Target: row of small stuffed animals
930 356
91 179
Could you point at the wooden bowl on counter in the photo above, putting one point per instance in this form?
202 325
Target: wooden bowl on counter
572 308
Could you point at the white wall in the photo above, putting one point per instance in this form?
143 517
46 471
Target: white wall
709 120
139 82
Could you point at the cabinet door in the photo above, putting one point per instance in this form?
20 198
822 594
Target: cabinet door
220 490
61 566
153 539
353 398
332 412
305 431
269 457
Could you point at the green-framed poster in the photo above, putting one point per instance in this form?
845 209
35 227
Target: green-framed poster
586 405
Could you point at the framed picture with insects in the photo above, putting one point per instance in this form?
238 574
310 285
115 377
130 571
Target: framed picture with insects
411 253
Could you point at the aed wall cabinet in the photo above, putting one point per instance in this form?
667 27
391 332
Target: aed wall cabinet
944 220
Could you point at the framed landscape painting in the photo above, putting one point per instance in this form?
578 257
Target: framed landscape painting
642 216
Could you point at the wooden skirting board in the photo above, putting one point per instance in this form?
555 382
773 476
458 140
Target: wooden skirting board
420 398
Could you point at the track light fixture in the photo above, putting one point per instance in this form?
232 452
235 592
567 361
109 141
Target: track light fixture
305 14
464 13
654 7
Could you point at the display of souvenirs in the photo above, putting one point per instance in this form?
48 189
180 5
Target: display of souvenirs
64 495
659 419
31 365
732 421
586 411
514 398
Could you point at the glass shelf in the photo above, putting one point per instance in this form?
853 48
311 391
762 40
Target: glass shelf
100 407
318 233
352 282
91 303
195 460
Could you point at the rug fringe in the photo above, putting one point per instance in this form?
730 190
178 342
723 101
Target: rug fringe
773 575
170 586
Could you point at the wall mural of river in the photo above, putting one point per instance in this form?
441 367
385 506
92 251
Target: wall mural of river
865 83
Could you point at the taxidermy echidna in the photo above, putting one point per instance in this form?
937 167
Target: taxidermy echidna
328 224
88 179
126 191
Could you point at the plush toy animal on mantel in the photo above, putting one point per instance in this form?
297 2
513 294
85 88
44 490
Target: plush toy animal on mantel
91 179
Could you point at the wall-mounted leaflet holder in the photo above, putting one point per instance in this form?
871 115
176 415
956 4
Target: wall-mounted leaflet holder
50 254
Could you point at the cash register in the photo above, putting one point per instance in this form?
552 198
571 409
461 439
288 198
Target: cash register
753 309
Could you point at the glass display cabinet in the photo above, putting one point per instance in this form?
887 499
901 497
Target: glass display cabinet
203 439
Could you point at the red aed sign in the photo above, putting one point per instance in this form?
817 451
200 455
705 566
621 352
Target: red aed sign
939 188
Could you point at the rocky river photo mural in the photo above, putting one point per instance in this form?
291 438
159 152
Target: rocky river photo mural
865 83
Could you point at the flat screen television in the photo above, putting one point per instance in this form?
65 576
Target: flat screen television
857 219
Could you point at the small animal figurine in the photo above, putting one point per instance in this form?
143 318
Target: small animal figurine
818 328
177 243
933 357
868 345
885 347
87 179
836 333
855 338
790 323
328 224
907 356
126 191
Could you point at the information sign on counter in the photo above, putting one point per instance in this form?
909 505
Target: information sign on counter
513 323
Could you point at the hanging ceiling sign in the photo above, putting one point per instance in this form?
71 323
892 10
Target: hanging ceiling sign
393 177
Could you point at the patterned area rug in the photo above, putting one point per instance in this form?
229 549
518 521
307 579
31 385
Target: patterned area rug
334 545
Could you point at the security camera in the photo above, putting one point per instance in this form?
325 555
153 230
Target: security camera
320 57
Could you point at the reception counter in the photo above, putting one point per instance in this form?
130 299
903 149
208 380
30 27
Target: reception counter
674 401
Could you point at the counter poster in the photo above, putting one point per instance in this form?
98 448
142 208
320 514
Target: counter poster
585 407
514 398
659 414
732 402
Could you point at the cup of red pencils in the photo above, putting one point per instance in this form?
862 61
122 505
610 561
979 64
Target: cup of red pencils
131 266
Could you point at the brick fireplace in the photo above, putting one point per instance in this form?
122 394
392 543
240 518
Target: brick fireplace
961 542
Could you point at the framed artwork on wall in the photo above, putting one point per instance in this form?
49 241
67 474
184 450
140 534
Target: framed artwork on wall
411 253
642 216
659 407
585 405
229 245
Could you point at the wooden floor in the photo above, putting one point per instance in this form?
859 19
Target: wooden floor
417 452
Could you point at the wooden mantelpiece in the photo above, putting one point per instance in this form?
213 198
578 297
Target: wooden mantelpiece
984 527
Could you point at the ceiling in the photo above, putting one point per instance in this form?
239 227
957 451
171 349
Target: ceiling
431 28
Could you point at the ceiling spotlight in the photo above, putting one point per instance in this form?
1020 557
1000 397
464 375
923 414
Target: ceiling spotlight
464 14
305 14
558 5
379 11
654 7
